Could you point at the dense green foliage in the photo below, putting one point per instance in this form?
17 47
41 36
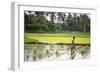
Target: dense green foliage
55 22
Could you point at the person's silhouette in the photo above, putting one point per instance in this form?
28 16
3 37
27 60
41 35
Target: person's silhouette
73 48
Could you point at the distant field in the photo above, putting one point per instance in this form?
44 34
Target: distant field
81 38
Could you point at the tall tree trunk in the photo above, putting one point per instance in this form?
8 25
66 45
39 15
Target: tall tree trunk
84 28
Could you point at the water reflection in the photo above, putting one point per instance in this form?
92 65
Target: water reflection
47 52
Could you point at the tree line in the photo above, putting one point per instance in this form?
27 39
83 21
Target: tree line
36 21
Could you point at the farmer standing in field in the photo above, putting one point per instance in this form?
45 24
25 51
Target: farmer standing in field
72 55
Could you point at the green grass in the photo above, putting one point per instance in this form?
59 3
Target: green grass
81 38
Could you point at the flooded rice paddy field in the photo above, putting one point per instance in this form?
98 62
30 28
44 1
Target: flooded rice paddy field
52 52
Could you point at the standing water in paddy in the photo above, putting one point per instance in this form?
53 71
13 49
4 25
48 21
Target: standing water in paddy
44 52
